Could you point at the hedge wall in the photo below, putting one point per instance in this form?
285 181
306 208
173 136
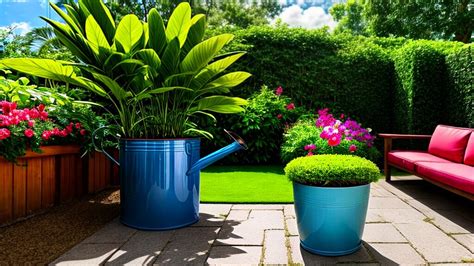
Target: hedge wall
319 70
459 109
388 84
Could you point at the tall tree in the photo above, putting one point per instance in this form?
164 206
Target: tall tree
439 19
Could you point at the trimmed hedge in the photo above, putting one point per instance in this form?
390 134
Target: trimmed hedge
318 70
332 170
459 109
390 84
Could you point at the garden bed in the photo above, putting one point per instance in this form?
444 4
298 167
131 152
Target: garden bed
57 175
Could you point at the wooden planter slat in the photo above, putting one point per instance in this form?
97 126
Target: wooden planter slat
58 174
19 189
48 183
6 191
33 188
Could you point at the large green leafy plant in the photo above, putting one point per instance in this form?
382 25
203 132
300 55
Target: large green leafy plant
155 77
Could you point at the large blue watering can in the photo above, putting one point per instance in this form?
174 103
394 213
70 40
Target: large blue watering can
159 180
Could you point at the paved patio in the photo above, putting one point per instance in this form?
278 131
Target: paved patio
409 222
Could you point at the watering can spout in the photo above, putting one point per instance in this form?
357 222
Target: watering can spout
236 145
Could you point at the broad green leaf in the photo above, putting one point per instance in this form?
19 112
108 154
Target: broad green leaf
213 69
179 23
102 15
119 93
201 54
156 30
95 35
221 104
229 80
196 32
129 31
149 57
170 59
146 33
66 18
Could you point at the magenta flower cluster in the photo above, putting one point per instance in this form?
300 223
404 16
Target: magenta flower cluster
335 130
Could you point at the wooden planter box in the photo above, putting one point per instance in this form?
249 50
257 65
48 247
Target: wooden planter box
58 175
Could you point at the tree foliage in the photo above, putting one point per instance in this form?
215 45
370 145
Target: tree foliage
441 19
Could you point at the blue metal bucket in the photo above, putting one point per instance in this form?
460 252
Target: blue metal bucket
331 220
159 180
156 191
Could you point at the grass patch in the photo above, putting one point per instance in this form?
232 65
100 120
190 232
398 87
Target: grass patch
245 184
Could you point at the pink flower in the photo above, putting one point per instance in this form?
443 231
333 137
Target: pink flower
334 140
46 135
352 148
279 116
41 107
31 123
4 133
279 91
290 106
78 125
29 133
83 132
309 147
310 153
342 116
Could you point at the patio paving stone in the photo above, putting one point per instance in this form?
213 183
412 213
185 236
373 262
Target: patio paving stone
275 251
433 243
235 255
291 226
382 233
467 240
404 226
395 254
142 248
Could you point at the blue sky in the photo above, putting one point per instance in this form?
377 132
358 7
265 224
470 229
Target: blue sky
24 14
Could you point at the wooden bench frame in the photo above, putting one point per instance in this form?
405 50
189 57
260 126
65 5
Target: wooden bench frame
387 166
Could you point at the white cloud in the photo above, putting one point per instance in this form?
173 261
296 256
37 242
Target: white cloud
311 18
20 28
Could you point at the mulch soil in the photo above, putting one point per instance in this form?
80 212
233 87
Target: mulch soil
43 238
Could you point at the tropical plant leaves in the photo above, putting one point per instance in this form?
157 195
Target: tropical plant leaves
221 104
179 23
129 32
95 35
201 54
156 31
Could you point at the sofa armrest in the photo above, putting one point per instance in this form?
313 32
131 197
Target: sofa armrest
388 147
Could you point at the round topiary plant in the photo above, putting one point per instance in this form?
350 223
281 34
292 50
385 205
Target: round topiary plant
332 170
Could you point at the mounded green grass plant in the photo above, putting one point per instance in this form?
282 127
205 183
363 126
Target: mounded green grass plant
332 170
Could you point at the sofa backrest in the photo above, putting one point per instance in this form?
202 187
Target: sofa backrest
449 142
469 154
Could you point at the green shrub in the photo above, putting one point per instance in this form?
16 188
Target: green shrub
305 132
459 109
261 125
332 170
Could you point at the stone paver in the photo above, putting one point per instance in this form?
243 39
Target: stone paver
243 255
467 240
188 246
114 232
275 251
87 254
433 243
395 254
382 233
291 226
142 248
408 222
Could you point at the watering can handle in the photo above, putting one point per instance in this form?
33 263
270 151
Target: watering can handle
101 147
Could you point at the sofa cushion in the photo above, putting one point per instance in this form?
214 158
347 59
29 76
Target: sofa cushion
469 154
407 159
449 142
456 175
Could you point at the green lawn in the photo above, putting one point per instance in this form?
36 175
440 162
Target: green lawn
245 184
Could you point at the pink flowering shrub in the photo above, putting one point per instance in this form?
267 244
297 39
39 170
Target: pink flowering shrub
328 135
30 128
